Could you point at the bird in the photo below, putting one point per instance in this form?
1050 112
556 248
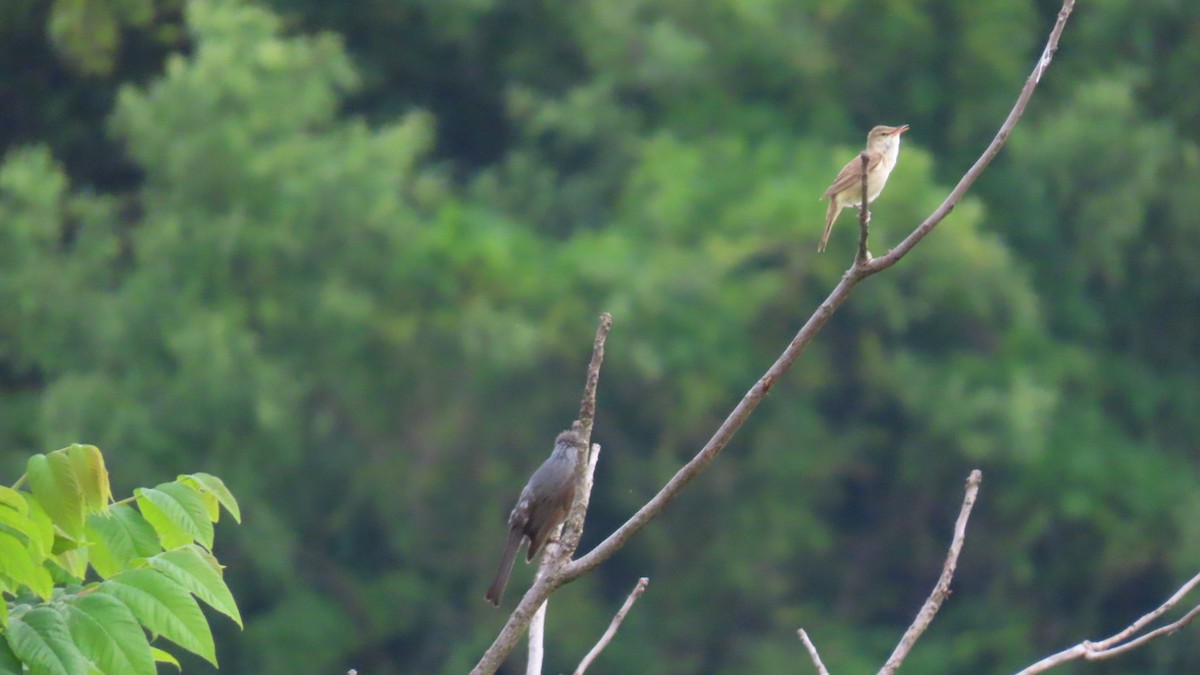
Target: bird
543 504
883 148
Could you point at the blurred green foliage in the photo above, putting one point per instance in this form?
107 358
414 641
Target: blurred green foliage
349 256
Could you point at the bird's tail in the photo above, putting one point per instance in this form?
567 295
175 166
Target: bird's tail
830 215
496 591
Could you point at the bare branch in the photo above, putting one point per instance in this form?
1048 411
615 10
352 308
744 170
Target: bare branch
942 590
1148 637
1152 616
537 640
612 627
812 652
587 407
893 256
517 622
1120 643
531 608
815 323
573 525
864 215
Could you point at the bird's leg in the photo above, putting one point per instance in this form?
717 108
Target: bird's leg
860 212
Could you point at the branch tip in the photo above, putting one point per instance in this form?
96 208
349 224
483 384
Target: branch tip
812 652
941 590
637 591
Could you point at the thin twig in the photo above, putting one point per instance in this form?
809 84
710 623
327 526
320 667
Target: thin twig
612 627
1152 635
573 527
587 407
1152 616
942 590
812 652
1120 643
864 214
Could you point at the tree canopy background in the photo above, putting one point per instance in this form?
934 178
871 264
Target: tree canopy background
349 257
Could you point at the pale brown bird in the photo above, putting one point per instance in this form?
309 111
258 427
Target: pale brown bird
883 148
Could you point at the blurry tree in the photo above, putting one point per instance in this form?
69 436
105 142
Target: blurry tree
358 313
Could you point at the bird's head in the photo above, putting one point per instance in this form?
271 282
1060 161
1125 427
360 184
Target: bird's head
881 137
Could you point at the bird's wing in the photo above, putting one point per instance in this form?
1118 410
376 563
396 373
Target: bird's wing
852 173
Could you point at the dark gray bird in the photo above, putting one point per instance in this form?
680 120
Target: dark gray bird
542 506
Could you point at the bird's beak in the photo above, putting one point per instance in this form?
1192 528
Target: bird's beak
900 129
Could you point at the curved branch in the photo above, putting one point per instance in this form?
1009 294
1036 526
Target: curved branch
1120 643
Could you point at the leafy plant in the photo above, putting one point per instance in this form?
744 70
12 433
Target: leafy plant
149 556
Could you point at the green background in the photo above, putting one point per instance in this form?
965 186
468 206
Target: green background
349 257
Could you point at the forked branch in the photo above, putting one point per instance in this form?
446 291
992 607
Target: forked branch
1125 640
612 627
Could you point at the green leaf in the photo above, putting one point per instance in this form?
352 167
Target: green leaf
64 542
210 484
199 572
92 476
13 499
56 487
119 537
170 534
17 565
211 504
177 512
193 503
75 562
17 523
165 657
109 635
41 640
165 608
9 663
43 529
